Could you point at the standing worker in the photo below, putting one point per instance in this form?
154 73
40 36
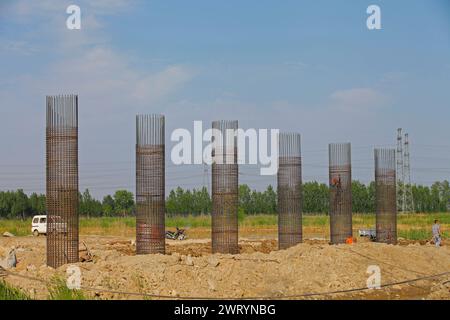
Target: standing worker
436 229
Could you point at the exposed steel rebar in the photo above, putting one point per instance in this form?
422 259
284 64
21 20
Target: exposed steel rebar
62 179
225 189
340 174
150 184
385 196
289 181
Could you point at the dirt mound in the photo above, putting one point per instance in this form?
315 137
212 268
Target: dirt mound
260 270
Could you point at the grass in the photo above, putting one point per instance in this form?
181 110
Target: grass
58 290
410 226
16 226
7 292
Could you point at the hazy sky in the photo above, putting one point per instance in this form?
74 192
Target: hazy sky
306 66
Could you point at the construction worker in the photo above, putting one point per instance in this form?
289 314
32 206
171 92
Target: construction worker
336 185
436 229
336 182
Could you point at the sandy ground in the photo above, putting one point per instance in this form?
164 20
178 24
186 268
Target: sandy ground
260 270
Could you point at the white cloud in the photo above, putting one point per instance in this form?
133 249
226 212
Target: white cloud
110 6
36 8
27 8
18 47
86 63
100 74
46 20
161 84
296 64
393 77
357 99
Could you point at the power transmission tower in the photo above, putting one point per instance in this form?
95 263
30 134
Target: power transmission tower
400 172
408 201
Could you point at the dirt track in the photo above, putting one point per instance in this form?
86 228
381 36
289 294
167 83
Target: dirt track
189 269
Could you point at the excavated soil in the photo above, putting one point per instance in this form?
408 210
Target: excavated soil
259 271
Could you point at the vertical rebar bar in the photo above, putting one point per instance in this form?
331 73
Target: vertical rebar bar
62 179
289 190
340 192
385 196
150 184
225 188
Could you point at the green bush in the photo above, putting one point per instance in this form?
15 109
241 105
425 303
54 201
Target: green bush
8 292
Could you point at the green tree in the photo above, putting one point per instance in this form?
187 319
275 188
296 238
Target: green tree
37 204
88 206
245 198
20 205
361 200
315 197
124 202
270 200
171 203
108 206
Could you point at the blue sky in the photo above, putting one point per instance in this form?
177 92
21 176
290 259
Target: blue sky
306 66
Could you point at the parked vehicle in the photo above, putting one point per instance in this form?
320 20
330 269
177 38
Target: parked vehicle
370 233
39 225
179 234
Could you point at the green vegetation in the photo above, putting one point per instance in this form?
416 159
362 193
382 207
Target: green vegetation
197 202
58 290
16 227
185 202
8 292
411 226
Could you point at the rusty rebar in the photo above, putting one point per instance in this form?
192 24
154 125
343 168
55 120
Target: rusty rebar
62 179
385 196
225 188
340 183
150 184
289 181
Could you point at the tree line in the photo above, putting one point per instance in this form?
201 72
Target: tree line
17 204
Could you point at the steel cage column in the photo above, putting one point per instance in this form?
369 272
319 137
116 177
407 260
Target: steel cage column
62 180
224 189
385 196
150 184
340 183
289 182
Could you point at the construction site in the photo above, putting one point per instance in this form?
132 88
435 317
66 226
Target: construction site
252 152
282 263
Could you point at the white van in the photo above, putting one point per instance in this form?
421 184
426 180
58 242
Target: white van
39 225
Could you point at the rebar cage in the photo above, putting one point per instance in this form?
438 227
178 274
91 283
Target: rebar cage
150 184
225 189
62 179
340 182
289 181
385 196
